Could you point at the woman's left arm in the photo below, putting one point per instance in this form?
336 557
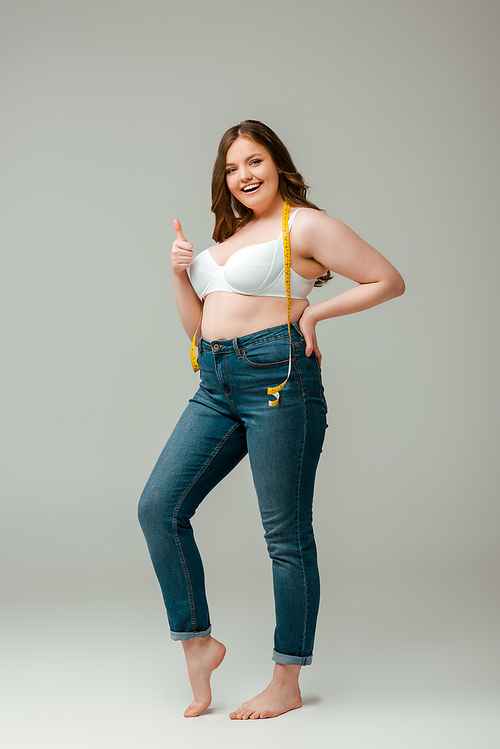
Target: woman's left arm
338 248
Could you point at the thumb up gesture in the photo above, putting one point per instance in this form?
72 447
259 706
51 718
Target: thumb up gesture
182 250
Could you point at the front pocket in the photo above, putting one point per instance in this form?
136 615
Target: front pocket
270 354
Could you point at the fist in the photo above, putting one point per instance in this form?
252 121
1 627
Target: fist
182 250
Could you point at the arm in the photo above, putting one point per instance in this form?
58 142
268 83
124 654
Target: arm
335 246
188 302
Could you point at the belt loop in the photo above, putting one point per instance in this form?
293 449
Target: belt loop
236 349
297 328
200 347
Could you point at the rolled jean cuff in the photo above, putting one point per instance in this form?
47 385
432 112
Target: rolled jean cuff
189 635
292 660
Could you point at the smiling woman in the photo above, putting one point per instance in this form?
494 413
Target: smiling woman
249 173
244 290
271 156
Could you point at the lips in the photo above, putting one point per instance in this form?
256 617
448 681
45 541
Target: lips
250 189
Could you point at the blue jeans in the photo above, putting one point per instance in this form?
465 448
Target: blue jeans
228 417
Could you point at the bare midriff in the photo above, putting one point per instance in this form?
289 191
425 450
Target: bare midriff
227 315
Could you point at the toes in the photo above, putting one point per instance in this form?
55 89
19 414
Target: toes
194 709
251 714
246 712
241 713
260 714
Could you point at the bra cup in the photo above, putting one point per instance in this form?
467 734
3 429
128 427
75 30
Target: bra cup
256 270
201 273
253 269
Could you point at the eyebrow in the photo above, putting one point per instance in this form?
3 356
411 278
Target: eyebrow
231 163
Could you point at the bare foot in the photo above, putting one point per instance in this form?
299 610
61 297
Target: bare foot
203 655
282 695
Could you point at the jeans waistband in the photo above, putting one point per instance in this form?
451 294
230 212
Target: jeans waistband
226 345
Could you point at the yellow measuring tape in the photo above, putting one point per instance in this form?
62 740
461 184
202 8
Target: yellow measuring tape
286 249
194 362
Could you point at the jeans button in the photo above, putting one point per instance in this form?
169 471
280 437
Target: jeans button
216 347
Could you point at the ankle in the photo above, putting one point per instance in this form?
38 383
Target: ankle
286 675
196 644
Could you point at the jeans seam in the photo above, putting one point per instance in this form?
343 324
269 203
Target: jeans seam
296 359
321 395
226 395
306 617
223 389
175 518
227 376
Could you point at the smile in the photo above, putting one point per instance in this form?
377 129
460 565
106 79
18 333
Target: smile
251 188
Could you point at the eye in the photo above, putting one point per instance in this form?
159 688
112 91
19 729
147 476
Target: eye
231 169
256 161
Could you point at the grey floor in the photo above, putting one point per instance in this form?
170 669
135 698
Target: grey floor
401 660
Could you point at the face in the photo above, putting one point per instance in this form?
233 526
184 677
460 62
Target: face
251 175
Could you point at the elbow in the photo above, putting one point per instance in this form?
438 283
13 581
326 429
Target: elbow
398 286
392 287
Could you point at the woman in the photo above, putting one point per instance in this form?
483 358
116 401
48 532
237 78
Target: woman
237 290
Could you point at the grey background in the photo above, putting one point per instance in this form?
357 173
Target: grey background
111 116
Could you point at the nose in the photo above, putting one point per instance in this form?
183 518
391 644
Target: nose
245 174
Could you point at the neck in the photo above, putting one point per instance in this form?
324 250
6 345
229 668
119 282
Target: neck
273 209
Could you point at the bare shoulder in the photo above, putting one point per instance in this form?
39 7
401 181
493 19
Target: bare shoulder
335 246
312 226
314 220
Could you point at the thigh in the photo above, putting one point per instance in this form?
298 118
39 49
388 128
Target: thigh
284 447
285 441
204 446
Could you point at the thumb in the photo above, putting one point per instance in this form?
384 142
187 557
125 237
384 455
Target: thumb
178 230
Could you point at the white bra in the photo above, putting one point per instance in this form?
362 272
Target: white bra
256 270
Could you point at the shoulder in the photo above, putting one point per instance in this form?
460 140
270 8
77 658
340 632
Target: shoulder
314 220
312 226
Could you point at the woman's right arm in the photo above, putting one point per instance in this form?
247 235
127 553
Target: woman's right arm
188 302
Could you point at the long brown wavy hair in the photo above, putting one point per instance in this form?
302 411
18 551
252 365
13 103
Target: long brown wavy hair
230 213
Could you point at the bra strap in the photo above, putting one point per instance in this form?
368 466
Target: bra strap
290 220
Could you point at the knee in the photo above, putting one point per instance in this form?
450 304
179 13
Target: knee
143 510
289 541
158 511
148 510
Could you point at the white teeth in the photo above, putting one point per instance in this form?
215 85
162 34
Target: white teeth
250 187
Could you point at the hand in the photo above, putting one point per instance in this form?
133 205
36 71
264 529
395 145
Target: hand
182 250
307 325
